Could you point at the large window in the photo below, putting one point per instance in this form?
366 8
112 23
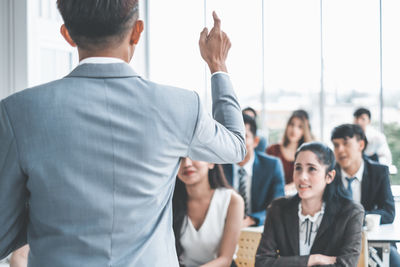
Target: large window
323 56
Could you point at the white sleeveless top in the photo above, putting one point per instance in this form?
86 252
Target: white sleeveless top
202 246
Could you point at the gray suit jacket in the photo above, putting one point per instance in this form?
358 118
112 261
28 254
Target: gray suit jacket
88 164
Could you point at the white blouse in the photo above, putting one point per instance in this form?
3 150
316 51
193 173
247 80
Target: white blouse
201 246
308 228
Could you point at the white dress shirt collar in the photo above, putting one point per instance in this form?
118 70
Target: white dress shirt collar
101 60
358 175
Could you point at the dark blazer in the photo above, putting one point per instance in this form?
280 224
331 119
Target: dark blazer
376 194
339 235
267 183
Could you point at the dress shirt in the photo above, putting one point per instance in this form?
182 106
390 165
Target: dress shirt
248 167
378 145
101 60
308 227
111 60
356 184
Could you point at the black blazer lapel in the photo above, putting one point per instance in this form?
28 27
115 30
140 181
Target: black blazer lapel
365 185
291 224
324 226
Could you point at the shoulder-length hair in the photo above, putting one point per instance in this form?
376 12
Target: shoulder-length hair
216 178
307 137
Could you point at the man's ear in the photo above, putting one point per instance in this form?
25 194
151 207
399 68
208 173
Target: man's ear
136 31
330 176
65 33
362 144
256 141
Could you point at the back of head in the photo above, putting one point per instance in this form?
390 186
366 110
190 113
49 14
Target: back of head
98 24
345 131
361 111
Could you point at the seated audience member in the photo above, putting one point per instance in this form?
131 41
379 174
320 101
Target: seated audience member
377 148
262 143
367 181
296 133
258 178
207 215
318 226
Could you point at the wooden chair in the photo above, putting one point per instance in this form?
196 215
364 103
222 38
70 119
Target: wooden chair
363 260
248 244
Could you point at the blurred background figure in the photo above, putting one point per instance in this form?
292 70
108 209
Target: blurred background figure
377 148
296 133
258 178
263 143
207 215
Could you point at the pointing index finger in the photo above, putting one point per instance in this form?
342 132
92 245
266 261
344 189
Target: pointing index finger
217 21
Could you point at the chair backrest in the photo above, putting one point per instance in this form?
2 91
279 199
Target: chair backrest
363 260
248 244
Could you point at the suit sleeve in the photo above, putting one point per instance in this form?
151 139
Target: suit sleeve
385 201
277 189
268 251
220 139
351 242
13 193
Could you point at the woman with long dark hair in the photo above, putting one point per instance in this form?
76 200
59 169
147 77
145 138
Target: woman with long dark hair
320 225
207 215
296 133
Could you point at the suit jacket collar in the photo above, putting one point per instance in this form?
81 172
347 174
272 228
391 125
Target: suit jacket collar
112 70
365 183
291 221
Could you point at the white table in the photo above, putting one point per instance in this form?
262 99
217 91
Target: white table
381 237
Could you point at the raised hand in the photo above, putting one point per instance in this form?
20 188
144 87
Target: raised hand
214 46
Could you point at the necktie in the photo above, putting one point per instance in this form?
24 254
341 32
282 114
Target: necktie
349 182
243 189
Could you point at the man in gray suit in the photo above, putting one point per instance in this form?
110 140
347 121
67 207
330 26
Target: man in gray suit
88 162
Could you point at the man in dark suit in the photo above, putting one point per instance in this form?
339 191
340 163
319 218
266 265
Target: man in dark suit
258 178
367 181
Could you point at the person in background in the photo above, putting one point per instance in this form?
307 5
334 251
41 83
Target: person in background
366 181
207 215
320 225
296 133
263 143
377 148
258 178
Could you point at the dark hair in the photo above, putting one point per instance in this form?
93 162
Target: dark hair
349 131
216 178
252 110
307 137
334 193
252 122
361 111
302 113
98 23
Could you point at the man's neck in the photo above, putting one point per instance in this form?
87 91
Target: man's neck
353 168
117 53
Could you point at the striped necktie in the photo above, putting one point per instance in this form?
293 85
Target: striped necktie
243 189
349 182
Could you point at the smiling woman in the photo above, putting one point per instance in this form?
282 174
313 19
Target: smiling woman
320 220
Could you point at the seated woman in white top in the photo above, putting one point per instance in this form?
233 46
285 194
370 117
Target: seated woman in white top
207 215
